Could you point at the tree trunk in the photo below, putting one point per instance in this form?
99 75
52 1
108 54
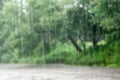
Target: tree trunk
75 44
94 38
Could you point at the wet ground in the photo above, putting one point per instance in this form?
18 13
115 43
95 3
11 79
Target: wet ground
56 72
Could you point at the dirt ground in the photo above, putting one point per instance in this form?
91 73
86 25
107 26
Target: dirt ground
56 72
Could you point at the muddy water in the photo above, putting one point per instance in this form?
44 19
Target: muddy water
56 72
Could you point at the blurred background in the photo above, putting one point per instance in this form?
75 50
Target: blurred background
75 32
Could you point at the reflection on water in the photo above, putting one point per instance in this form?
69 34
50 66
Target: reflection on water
56 72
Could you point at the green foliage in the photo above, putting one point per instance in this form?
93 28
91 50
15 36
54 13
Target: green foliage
40 31
60 54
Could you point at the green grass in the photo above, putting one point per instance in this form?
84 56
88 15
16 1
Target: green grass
65 53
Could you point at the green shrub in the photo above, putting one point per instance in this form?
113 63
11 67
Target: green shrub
5 58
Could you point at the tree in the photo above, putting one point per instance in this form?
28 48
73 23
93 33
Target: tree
108 13
83 25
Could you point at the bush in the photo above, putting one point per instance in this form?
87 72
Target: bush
60 54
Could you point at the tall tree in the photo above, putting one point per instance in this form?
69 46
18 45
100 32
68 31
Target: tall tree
107 11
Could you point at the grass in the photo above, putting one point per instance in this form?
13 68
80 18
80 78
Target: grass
65 53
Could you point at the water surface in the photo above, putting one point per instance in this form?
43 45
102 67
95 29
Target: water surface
56 72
